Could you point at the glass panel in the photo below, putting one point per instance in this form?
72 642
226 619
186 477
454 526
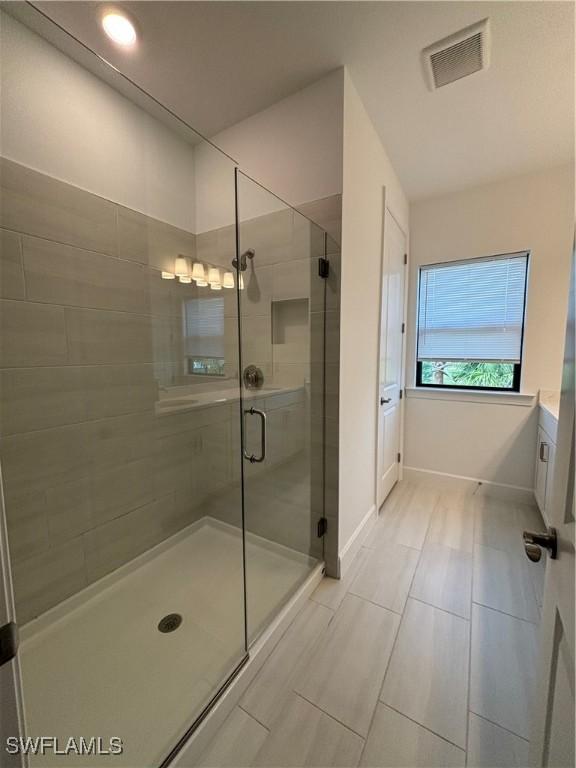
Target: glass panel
119 408
282 346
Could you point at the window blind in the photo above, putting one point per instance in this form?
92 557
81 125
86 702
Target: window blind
204 327
472 310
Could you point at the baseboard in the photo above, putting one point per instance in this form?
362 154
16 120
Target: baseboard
350 549
502 490
259 652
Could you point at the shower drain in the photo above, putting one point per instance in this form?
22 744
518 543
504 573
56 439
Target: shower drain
170 622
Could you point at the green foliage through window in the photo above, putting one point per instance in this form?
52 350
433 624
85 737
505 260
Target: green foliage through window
467 374
206 366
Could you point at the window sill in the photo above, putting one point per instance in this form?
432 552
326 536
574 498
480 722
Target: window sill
476 396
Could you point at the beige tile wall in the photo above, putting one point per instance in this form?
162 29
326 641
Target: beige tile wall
285 267
88 333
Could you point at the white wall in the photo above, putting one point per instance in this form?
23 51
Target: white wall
58 118
483 439
533 212
366 171
293 148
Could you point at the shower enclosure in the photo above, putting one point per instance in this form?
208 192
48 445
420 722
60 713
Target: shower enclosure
161 402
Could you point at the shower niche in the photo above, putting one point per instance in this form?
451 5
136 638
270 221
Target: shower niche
290 324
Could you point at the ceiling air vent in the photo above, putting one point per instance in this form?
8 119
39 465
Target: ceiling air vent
457 55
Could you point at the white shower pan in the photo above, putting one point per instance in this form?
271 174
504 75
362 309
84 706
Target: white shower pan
97 665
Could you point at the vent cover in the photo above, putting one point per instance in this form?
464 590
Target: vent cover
457 55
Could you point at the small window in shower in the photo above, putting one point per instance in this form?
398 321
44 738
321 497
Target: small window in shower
204 336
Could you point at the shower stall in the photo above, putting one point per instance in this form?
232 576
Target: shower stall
162 454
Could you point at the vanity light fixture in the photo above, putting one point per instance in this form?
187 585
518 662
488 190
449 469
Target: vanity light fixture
119 28
201 274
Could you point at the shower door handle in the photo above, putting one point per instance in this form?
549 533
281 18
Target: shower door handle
250 456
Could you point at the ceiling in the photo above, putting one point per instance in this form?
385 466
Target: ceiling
215 63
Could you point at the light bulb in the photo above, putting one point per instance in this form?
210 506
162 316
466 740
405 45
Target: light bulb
168 276
228 281
181 267
184 279
198 272
241 282
119 28
201 283
215 286
213 275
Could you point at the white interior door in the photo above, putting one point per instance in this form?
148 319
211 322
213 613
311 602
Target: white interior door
390 363
11 716
552 742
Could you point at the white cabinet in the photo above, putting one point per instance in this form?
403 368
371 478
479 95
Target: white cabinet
544 470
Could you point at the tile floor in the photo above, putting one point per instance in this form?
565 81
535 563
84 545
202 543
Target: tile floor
423 655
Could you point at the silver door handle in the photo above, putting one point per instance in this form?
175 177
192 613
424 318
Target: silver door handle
534 541
250 456
544 452
385 400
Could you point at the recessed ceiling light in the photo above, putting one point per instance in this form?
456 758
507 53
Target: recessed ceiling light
119 28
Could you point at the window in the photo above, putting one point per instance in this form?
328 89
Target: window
204 336
471 323
206 366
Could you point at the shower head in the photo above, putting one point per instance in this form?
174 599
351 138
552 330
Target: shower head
249 254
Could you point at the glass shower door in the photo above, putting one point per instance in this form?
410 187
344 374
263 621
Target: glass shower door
119 407
281 310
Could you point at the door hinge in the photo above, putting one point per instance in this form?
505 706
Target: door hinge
323 267
322 527
8 642
403 327
400 395
399 457
405 258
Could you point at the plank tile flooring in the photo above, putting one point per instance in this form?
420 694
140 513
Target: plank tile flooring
422 655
